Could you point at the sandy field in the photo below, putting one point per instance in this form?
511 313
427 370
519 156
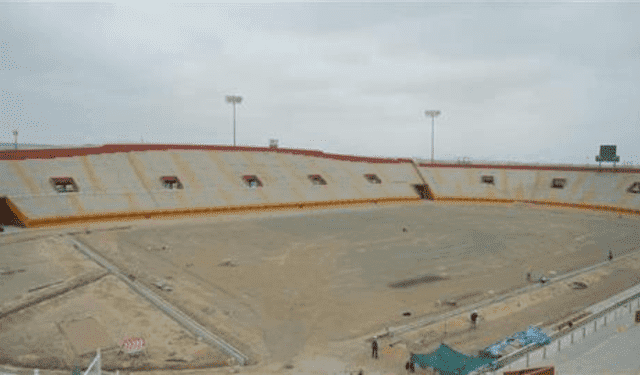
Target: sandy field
60 290
302 292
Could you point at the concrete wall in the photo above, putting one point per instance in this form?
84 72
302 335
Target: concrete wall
300 168
125 181
107 184
584 187
115 179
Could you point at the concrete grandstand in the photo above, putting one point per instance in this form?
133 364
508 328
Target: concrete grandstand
126 181
47 190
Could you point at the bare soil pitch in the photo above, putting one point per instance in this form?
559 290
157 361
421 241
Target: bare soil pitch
278 284
286 288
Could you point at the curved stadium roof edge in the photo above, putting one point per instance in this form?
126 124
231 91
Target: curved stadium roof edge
116 148
51 153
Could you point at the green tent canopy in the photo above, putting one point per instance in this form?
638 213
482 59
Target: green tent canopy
449 362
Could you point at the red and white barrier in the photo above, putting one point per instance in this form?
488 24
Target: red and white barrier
133 345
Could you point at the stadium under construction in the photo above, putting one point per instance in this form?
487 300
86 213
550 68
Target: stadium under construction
182 258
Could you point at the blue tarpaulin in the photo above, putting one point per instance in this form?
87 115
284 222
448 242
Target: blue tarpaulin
449 362
497 349
533 335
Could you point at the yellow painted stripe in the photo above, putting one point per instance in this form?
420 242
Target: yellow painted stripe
544 202
173 213
160 214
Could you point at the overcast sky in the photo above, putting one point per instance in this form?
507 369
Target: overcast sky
536 82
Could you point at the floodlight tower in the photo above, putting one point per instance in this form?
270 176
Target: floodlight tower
15 135
233 99
433 115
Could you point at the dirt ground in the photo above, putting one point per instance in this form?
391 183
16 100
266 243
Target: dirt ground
39 263
306 288
58 287
280 284
35 336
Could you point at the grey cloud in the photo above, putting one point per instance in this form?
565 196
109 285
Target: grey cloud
353 78
348 58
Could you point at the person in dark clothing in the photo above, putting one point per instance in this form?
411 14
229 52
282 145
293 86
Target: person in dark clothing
474 319
610 255
410 367
374 348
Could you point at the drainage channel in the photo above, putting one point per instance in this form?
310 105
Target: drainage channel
172 312
434 319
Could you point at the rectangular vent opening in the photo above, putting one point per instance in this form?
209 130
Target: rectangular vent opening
252 181
316 179
558 183
171 182
64 184
488 180
634 188
373 179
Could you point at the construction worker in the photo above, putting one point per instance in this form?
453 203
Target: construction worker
410 367
374 347
474 318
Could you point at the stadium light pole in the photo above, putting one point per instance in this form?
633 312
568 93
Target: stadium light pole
234 99
15 134
433 115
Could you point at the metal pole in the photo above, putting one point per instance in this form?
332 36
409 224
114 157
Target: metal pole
433 120
233 99
433 115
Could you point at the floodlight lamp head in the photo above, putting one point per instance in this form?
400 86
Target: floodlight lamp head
234 99
432 113
15 132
